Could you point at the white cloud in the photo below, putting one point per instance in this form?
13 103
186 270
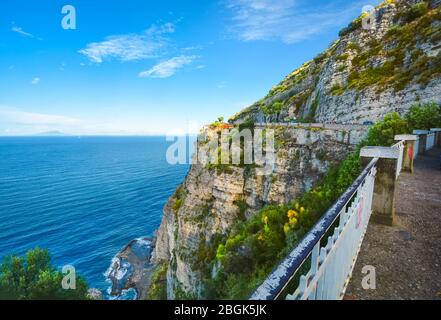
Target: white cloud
13 116
20 31
289 21
35 81
130 47
168 68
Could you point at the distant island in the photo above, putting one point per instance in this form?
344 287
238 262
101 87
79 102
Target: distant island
51 134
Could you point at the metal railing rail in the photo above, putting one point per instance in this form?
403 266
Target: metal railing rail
332 268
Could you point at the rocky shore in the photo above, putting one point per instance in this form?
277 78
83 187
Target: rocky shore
131 269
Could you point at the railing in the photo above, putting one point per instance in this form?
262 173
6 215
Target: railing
416 148
400 146
332 264
321 265
330 249
430 142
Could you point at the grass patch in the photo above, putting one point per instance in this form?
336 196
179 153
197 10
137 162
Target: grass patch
158 287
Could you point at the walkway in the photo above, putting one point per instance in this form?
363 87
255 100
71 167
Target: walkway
407 256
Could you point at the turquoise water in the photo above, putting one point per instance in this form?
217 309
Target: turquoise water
82 198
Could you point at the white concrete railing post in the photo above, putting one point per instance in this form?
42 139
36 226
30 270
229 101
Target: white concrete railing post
438 136
422 134
431 141
409 150
383 207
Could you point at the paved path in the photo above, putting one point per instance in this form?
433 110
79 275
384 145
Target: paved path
407 256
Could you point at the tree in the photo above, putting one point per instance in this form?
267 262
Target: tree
383 133
34 278
424 116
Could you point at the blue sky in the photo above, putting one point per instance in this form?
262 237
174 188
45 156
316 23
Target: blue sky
152 67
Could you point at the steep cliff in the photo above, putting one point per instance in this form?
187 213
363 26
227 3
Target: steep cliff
213 198
361 77
365 74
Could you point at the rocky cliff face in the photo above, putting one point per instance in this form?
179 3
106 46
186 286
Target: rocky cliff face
367 73
212 199
364 75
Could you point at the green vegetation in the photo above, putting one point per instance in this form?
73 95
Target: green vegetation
34 278
353 26
179 199
414 12
371 76
343 57
424 117
248 124
320 58
353 46
337 90
158 287
273 109
413 25
177 205
393 31
383 133
254 247
181 294
218 122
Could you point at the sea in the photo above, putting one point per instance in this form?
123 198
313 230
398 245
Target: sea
83 198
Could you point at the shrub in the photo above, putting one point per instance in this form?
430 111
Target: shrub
414 12
273 109
320 58
394 31
218 122
424 116
383 133
158 286
353 46
371 76
177 205
342 57
179 198
337 90
354 25
34 278
248 124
